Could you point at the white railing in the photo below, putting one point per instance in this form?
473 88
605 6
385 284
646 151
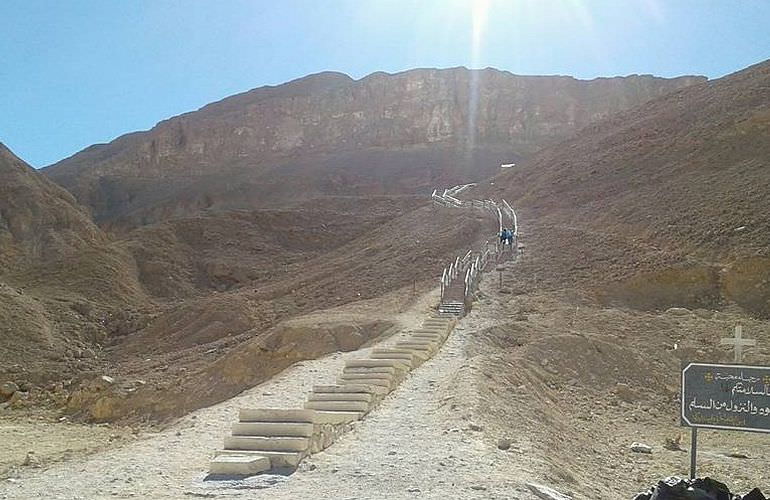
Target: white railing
514 220
471 266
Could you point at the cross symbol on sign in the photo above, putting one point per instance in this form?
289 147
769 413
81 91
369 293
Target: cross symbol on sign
738 343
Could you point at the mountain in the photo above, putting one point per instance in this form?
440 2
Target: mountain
328 134
59 277
667 202
38 219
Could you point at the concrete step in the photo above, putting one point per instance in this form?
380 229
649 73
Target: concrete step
272 443
374 390
428 349
340 396
428 335
275 415
338 417
428 329
436 341
437 324
433 342
341 388
278 459
360 406
238 465
387 377
378 382
371 369
419 356
407 356
398 364
294 429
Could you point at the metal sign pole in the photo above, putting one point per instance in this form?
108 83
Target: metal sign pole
693 451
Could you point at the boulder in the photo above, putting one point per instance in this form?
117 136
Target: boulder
8 389
641 448
546 493
19 399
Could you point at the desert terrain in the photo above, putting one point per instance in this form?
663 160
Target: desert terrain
135 327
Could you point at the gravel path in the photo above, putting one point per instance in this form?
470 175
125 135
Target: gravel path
418 443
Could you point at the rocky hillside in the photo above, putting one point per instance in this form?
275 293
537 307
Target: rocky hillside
200 294
329 134
58 276
38 219
669 200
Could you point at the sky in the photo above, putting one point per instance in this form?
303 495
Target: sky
78 72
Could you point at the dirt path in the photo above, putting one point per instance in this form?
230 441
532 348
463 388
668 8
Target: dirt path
418 442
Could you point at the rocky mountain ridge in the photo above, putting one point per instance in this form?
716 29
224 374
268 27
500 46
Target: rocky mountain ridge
416 127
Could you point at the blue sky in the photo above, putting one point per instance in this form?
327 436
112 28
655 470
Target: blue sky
78 72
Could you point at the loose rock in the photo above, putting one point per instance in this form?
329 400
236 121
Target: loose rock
641 448
546 493
7 389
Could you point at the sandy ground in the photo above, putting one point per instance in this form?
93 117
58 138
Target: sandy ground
418 442
436 435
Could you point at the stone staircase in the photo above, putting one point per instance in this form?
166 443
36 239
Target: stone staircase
277 440
453 300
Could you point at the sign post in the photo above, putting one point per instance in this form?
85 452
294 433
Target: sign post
693 452
724 396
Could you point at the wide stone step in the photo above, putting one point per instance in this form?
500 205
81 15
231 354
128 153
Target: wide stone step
278 459
294 429
342 388
417 346
387 377
274 443
370 369
418 355
366 363
338 417
379 382
238 465
275 415
362 406
427 336
432 342
340 396
407 356
437 331
438 324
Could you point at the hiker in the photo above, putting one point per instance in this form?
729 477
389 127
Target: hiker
510 238
503 236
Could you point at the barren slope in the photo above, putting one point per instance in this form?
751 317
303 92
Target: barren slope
674 192
58 277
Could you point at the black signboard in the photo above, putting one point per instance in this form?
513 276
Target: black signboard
731 397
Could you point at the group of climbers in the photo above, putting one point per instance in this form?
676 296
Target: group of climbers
506 236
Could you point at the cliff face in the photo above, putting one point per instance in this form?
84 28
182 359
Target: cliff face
433 119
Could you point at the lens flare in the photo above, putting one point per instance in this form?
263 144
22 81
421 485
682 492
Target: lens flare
479 16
